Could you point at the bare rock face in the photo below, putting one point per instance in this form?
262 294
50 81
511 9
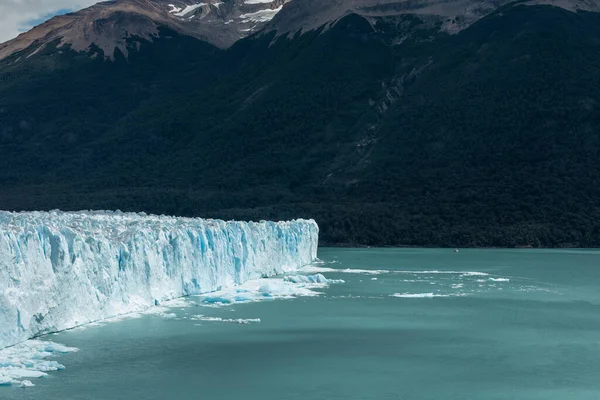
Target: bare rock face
223 22
306 15
107 25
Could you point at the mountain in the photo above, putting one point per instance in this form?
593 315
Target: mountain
390 124
452 15
106 26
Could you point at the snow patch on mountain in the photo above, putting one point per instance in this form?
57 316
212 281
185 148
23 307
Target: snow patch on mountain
189 9
260 16
174 8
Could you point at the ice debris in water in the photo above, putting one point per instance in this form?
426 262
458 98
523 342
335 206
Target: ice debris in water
318 278
426 295
60 270
29 360
473 273
231 320
163 310
316 269
287 287
499 279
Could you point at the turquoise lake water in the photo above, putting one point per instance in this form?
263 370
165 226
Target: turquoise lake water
430 324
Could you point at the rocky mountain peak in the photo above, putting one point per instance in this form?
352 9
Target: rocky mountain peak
107 25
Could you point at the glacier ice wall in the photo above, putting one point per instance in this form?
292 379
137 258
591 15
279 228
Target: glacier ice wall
59 270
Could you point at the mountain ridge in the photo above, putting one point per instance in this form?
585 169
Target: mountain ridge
107 25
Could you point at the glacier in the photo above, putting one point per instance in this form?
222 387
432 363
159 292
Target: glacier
59 270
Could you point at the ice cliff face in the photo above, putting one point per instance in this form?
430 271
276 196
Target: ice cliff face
59 270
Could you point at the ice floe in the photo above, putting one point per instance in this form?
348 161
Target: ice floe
426 295
29 360
242 321
318 278
475 273
287 287
442 272
317 269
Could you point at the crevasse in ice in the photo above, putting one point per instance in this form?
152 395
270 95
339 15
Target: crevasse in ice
59 270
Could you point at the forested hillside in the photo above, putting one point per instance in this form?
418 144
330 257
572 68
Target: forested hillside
387 133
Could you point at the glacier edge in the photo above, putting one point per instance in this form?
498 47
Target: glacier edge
59 270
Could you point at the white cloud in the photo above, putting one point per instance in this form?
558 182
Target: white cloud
17 16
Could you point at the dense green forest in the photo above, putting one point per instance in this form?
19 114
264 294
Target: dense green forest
392 133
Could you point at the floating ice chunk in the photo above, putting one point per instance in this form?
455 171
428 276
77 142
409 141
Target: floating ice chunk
313 269
316 269
287 287
364 271
161 311
5 380
318 278
473 273
441 272
428 272
181 302
29 360
216 300
499 279
158 310
26 383
373 279
425 295
457 285
279 288
231 320
320 269
418 295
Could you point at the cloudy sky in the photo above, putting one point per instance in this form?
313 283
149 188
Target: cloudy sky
17 16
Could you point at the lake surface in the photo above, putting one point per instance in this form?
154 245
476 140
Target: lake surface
424 324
